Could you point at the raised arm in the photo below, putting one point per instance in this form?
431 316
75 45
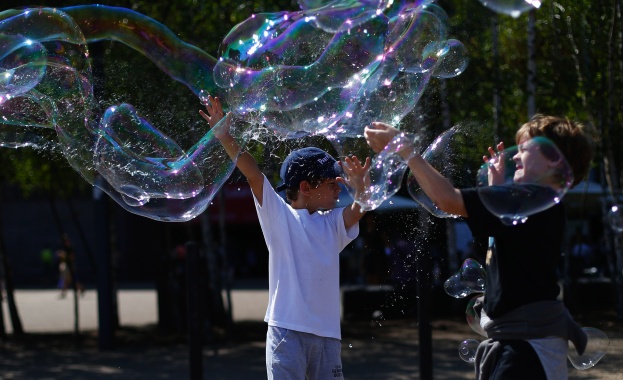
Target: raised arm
356 174
443 194
495 163
244 161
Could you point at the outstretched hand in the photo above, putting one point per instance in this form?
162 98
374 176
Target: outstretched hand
495 162
356 174
378 135
358 178
214 115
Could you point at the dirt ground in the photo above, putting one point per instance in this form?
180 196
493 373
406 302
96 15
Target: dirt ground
371 350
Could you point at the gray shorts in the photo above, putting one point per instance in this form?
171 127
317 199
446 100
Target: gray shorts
295 355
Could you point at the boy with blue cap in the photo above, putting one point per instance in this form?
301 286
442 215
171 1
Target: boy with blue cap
304 238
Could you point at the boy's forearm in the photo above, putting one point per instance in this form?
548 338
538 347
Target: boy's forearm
246 164
440 190
231 147
352 215
354 212
244 161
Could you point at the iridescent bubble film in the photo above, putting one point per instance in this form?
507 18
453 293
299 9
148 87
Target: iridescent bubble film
448 155
473 318
523 180
386 172
49 86
596 347
512 8
615 218
469 279
467 350
334 69
328 69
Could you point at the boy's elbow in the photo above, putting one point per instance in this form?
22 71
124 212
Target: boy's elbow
451 203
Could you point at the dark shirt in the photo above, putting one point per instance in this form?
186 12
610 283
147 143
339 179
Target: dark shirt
522 264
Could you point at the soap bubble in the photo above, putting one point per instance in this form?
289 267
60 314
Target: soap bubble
334 69
512 8
469 279
328 69
145 170
615 218
448 154
467 350
473 318
22 65
386 173
530 178
453 62
596 347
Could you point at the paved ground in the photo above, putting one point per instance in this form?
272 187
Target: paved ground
371 350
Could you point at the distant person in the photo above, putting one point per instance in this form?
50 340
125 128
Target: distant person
64 278
67 267
527 326
47 263
304 235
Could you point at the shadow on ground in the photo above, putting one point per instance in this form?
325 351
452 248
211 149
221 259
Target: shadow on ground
371 350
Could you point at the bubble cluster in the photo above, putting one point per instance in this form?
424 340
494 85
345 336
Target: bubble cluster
469 279
328 69
334 69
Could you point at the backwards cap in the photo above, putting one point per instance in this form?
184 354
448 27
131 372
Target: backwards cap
305 164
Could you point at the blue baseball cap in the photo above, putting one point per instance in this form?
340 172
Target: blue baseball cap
305 164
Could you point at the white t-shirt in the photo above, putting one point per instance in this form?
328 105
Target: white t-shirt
303 264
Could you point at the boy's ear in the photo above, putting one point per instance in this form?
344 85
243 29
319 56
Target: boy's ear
304 188
556 162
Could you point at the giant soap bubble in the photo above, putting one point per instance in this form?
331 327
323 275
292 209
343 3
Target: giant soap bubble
137 164
449 153
328 69
386 172
531 177
334 69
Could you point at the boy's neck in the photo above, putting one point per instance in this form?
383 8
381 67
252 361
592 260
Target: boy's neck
302 203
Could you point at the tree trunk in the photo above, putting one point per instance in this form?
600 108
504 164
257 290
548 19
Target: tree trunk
227 269
615 180
497 104
2 327
531 86
16 322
